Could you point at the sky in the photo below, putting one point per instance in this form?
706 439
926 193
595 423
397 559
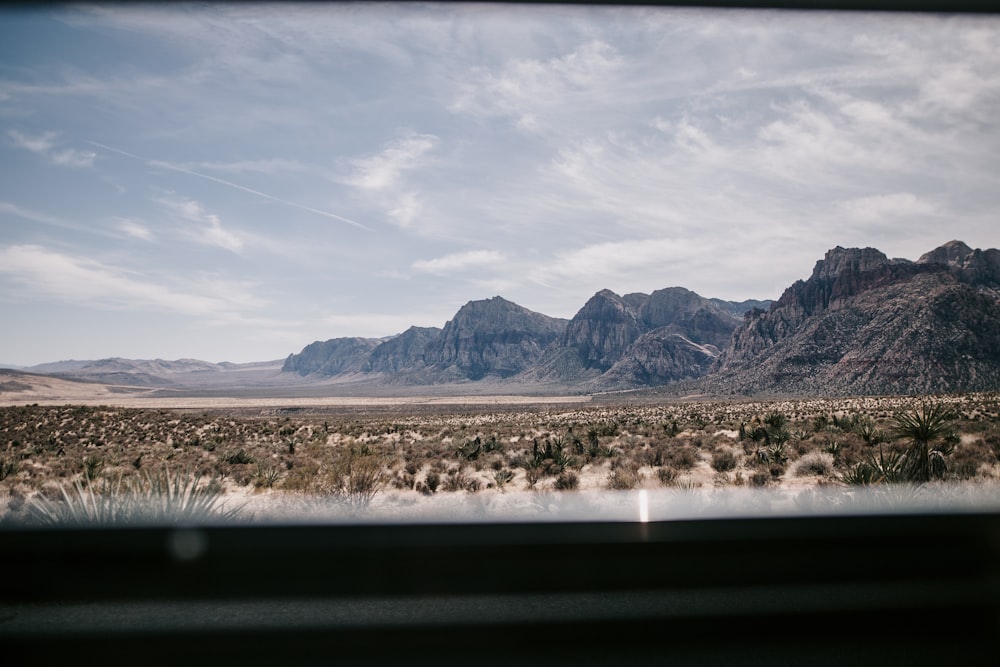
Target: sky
233 182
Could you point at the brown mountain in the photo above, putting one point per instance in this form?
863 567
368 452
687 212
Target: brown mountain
865 324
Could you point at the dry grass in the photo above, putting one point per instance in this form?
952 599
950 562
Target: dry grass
356 452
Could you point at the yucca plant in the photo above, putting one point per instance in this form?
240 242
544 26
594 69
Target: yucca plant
146 498
928 428
866 429
890 467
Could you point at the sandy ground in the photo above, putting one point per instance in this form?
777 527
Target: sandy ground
44 390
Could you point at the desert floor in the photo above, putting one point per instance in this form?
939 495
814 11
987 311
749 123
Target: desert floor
439 455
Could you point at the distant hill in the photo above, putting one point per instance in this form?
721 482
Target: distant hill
157 372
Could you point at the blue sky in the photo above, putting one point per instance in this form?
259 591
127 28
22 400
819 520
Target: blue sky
234 182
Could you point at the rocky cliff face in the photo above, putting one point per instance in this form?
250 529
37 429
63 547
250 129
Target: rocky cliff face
978 268
331 357
638 339
863 323
492 337
405 352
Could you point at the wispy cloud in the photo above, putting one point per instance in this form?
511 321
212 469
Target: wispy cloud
527 90
41 144
258 193
45 144
382 170
376 325
270 166
6 208
134 229
897 206
87 282
209 230
460 261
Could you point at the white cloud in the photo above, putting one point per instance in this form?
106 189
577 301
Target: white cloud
86 282
460 261
406 208
74 158
40 144
531 90
606 261
6 208
374 325
382 170
135 229
895 206
210 230
45 144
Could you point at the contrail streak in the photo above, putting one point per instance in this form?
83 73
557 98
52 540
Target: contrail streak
263 195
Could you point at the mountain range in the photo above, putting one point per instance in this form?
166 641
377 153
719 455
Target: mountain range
861 323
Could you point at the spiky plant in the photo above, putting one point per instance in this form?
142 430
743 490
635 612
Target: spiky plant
890 467
928 428
146 498
868 431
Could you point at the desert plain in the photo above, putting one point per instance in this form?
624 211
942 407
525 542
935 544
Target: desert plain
385 456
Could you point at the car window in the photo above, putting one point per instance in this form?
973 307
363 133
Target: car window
439 262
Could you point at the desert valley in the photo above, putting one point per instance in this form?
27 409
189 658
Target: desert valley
872 372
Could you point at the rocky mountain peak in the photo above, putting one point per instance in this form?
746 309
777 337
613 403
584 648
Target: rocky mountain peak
865 324
848 260
492 337
954 253
978 268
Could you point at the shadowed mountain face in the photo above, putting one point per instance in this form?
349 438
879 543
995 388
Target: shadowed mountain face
405 352
493 337
865 324
638 340
331 357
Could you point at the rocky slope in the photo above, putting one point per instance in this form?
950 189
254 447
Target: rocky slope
332 357
861 323
490 338
405 352
638 340
866 324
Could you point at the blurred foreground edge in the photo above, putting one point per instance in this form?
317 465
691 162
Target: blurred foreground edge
916 588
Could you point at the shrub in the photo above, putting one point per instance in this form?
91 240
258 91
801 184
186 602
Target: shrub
723 460
7 468
266 476
502 477
624 477
567 481
667 476
432 481
813 463
237 458
685 457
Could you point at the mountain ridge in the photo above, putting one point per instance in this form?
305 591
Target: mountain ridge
860 322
